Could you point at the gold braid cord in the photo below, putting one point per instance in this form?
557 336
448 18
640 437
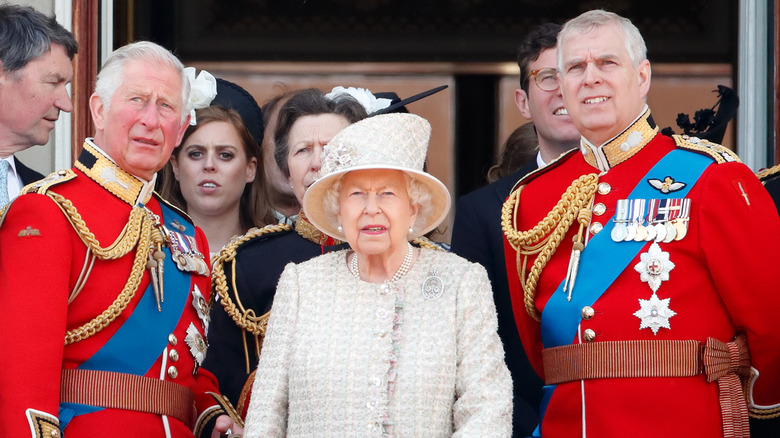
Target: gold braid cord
546 236
244 318
139 232
424 242
768 174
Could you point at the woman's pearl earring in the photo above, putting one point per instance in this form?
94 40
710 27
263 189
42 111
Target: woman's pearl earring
411 230
339 229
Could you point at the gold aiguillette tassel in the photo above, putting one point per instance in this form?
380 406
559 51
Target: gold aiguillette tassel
574 261
159 257
157 260
151 265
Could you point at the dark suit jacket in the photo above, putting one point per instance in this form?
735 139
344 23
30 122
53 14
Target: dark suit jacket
477 236
26 174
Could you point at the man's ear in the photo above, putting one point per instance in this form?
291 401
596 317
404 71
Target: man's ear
645 74
96 107
521 100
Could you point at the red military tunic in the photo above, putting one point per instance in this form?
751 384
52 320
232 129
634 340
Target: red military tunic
722 283
44 261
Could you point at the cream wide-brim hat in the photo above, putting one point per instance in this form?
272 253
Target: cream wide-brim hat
388 141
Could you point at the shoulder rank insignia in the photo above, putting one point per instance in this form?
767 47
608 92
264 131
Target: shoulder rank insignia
666 186
41 186
719 153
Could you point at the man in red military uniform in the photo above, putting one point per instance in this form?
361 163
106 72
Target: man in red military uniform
641 291
104 286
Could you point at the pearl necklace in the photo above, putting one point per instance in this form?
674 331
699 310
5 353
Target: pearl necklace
402 270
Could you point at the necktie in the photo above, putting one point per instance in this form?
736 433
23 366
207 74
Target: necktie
4 182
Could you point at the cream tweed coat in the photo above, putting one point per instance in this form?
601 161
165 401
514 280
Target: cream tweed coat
324 366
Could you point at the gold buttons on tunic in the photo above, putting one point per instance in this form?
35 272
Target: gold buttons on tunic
173 355
172 339
595 227
589 335
173 372
55 433
587 313
599 209
604 188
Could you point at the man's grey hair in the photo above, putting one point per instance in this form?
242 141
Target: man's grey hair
111 75
585 22
417 192
26 34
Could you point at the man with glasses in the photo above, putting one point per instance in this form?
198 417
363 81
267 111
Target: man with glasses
476 234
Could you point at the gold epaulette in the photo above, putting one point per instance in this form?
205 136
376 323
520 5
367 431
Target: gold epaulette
43 185
424 242
768 174
720 154
40 186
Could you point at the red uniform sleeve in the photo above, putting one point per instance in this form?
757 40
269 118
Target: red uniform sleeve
34 295
740 228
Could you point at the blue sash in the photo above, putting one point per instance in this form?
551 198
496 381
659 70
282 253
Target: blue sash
603 259
137 345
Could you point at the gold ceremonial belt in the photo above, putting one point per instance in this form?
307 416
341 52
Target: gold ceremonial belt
717 360
109 389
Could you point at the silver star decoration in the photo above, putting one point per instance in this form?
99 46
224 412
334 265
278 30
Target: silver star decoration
196 343
200 304
654 313
654 266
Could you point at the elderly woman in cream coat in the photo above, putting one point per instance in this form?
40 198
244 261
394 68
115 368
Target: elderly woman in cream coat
382 339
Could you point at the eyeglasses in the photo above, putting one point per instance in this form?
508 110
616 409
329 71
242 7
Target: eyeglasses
546 79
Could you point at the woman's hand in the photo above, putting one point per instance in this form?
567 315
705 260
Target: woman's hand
225 426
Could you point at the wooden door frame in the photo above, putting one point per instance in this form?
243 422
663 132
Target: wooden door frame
86 30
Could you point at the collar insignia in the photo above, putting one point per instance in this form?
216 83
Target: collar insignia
623 146
101 169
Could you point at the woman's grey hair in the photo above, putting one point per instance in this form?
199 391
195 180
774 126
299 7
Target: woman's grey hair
584 23
418 195
111 75
26 34
310 102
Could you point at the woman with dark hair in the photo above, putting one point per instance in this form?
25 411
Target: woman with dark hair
247 270
215 175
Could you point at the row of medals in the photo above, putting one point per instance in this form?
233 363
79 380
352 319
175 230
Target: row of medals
666 220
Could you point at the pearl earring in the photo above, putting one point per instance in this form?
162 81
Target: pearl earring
339 229
411 230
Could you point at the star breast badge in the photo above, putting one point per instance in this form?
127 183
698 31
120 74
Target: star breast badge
654 313
653 268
